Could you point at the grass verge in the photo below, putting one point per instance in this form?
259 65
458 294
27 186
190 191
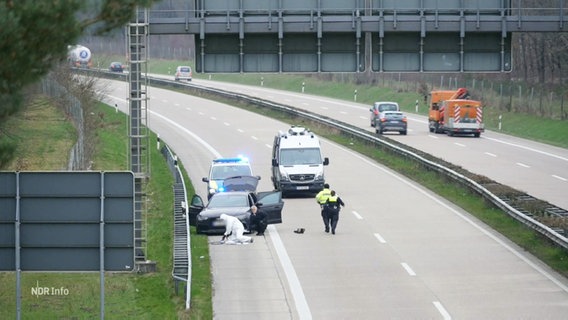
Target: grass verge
389 88
127 295
528 239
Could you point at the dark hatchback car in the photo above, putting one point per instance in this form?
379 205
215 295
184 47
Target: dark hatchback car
391 121
381 106
116 67
235 201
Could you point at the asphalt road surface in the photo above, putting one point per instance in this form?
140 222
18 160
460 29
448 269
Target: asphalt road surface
400 252
538 169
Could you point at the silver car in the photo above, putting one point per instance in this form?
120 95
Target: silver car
183 73
381 106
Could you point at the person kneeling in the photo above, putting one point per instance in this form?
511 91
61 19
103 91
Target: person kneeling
234 230
257 221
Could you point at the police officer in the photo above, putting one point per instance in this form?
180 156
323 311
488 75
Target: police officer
332 208
321 199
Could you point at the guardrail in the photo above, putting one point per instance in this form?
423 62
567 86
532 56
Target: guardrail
365 135
181 271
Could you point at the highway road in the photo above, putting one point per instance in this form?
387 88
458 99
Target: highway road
400 252
538 169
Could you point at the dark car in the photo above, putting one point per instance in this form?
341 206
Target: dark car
381 106
391 121
116 67
235 201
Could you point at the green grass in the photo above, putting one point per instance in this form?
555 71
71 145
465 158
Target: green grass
41 120
127 295
528 239
389 88
152 296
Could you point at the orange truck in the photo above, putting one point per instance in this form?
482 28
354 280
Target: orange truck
452 112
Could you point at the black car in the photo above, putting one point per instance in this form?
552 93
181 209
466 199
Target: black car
116 67
235 201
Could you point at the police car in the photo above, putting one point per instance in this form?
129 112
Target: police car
223 169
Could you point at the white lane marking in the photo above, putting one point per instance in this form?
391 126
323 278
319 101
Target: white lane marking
212 118
295 286
201 113
324 108
188 109
523 165
381 239
305 104
433 136
459 144
254 138
408 269
226 123
176 104
165 101
361 117
268 146
193 135
442 310
418 188
358 216
559 177
343 112
528 148
240 130
491 154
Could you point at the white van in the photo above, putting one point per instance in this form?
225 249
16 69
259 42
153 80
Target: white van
297 162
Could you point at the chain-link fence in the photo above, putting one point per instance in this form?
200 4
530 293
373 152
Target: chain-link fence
73 109
501 92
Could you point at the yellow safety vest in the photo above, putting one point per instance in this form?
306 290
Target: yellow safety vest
323 195
332 199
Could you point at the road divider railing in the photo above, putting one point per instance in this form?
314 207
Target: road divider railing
365 135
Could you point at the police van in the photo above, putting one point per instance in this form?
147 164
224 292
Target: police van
223 169
297 162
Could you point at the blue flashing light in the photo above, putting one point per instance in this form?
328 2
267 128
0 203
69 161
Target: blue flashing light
231 160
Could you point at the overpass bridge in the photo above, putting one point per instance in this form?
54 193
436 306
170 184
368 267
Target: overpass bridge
356 35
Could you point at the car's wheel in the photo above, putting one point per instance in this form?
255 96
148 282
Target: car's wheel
381 131
403 132
477 134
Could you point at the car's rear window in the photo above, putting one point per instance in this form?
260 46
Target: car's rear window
388 107
227 200
185 69
224 172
